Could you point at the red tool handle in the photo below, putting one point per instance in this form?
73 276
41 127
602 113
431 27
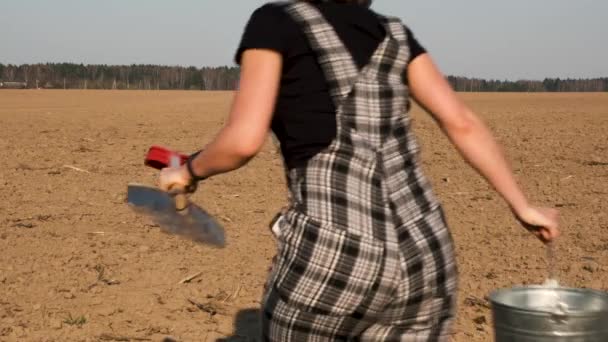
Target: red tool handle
159 157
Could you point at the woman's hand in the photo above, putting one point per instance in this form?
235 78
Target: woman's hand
174 179
542 222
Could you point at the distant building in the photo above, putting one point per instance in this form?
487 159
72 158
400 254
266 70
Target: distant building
13 85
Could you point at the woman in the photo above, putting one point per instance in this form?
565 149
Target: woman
363 248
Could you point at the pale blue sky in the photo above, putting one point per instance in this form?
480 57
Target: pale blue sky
511 39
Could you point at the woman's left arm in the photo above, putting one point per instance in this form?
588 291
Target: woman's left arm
248 124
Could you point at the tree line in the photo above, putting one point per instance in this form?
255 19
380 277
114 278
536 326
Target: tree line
465 84
157 77
143 77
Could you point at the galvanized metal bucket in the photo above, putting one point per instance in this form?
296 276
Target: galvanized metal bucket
543 314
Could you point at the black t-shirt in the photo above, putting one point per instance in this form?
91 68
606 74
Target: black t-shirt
304 121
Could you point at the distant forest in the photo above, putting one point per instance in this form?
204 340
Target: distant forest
143 77
156 77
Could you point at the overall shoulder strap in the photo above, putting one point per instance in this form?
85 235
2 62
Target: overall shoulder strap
336 62
395 28
393 55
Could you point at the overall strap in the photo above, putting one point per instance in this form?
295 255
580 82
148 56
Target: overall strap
336 62
390 61
395 28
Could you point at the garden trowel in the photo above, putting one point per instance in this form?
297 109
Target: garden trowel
172 210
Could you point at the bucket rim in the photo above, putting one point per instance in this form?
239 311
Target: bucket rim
493 302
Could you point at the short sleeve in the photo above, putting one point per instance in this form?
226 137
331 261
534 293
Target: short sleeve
416 49
263 31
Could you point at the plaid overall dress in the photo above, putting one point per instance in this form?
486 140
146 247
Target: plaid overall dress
364 252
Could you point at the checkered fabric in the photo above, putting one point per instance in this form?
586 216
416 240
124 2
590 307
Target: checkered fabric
364 250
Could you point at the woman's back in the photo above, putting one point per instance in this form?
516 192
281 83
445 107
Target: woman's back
304 118
362 222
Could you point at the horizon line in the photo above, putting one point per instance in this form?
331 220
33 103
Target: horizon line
237 66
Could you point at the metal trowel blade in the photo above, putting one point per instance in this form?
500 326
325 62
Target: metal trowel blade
192 222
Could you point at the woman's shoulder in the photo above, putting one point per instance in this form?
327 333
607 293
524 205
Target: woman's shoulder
401 31
395 23
273 9
268 27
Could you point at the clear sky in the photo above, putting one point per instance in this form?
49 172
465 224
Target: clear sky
510 39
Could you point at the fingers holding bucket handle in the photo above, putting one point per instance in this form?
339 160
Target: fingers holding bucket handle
542 222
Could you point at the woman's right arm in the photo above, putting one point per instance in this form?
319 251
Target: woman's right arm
476 144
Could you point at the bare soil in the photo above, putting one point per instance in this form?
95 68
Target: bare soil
76 264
